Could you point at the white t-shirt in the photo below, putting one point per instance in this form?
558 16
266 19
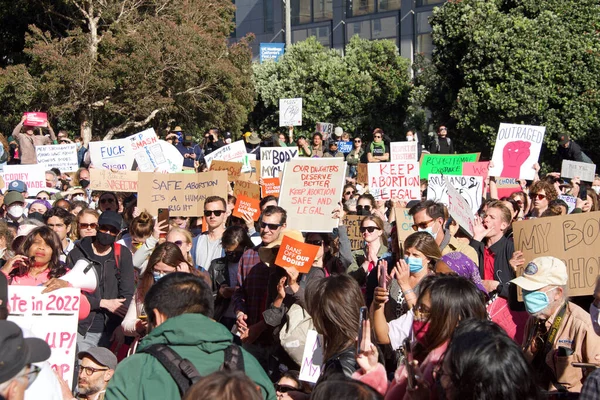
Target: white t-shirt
399 329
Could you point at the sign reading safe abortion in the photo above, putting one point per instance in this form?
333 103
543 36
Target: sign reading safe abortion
51 317
293 253
310 191
516 151
395 180
183 194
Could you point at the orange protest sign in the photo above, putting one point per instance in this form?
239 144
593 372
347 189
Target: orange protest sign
270 187
251 206
293 253
234 169
247 189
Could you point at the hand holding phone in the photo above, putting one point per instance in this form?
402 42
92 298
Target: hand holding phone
362 320
163 216
410 364
382 273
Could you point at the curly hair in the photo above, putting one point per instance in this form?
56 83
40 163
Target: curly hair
57 269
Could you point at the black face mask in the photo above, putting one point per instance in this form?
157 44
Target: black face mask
363 211
234 256
36 215
84 183
105 239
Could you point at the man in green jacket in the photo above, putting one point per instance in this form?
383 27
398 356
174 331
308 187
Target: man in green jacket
179 307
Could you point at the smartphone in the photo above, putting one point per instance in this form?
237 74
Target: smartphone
364 315
163 215
409 364
382 276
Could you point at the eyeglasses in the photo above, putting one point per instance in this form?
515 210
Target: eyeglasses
422 313
519 202
537 196
377 136
216 213
89 371
360 208
42 198
33 373
317 242
364 229
107 200
443 129
285 388
272 227
422 225
349 192
357 141
84 225
179 243
109 229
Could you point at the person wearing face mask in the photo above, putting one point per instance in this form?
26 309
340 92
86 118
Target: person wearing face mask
558 331
38 208
15 207
414 137
596 185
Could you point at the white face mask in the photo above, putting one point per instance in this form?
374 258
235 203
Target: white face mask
596 189
410 138
79 198
15 211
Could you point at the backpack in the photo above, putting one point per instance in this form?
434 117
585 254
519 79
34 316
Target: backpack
437 143
183 372
293 333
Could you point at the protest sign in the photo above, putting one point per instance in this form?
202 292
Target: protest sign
183 194
52 317
293 253
459 209
312 358
246 158
153 155
270 187
570 200
480 168
252 175
230 152
507 186
404 223
395 180
61 156
234 169
290 112
352 224
111 154
445 164
245 204
248 189
573 238
403 151
272 160
35 119
326 129
516 151
362 175
310 191
33 175
109 181
469 187
571 169
345 147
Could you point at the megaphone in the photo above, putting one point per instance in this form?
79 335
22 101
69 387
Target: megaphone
82 276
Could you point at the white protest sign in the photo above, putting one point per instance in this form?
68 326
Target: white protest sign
111 154
146 150
52 317
173 158
403 151
34 176
516 151
290 112
571 169
469 187
61 156
272 160
312 358
395 180
459 209
230 152
570 200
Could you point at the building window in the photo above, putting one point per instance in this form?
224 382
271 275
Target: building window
388 5
307 11
424 40
323 35
268 15
376 28
355 8
323 10
421 3
301 13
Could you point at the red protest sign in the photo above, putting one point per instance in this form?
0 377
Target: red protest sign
271 186
480 168
36 119
293 253
246 204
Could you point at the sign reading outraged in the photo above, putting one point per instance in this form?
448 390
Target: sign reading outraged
290 112
272 160
469 187
33 176
111 154
231 152
51 317
109 181
61 156
445 164
516 151
293 253
310 191
571 169
183 194
403 151
395 180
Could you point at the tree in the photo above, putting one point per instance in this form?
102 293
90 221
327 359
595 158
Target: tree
519 61
367 88
128 64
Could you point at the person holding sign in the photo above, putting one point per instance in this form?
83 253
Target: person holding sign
442 144
353 158
28 140
378 150
569 150
374 250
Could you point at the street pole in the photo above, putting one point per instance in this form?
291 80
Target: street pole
288 23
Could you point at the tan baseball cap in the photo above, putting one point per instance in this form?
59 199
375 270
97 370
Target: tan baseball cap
541 272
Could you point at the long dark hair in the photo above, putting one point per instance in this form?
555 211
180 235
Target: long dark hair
57 269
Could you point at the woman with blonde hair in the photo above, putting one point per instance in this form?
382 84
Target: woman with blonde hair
87 223
183 239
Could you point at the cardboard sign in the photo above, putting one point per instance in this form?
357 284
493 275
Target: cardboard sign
585 171
507 186
570 200
310 191
517 149
51 317
445 164
36 119
312 358
108 181
326 130
248 205
293 253
33 175
61 156
248 189
272 160
459 209
469 187
234 169
252 175
230 152
271 187
404 223
403 151
111 154
573 238
480 168
183 194
395 180
352 224
362 174
345 147
290 112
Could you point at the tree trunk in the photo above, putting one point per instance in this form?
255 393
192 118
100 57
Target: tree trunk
86 127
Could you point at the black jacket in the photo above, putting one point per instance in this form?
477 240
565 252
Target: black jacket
573 153
219 275
339 365
503 250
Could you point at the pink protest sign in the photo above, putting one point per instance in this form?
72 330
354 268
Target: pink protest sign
36 119
476 169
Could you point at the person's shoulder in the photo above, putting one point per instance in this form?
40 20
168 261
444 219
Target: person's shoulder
581 319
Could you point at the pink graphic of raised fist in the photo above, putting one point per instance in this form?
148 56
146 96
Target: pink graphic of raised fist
513 157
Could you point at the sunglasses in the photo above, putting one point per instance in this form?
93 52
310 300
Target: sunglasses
216 213
271 227
107 200
285 388
422 225
377 137
371 229
179 243
317 242
537 196
108 229
42 198
350 192
360 208
357 141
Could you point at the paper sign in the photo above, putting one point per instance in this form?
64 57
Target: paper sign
293 253
36 119
290 112
248 205
459 209
352 224
248 189
272 160
469 187
271 187
362 176
111 154
33 175
570 200
51 317
480 168
507 186
403 151
445 164
108 181
404 223
585 171
146 150
573 238
234 169
326 130
61 156
230 152
310 191
183 194
246 158
517 149
395 180
312 358
345 147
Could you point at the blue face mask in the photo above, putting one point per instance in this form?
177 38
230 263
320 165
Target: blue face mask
429 230
535 301
414 264
158 275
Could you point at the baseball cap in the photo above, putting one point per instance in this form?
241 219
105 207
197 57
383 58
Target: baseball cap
110 218
247 134
101 355
563 139
338 131
13 197
17 186
541 272
16 351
